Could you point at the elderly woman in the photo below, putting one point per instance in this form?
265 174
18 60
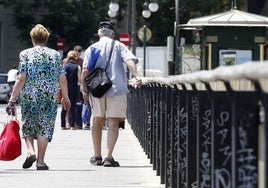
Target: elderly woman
40 75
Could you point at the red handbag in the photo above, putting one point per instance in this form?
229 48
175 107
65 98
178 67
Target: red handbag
10 141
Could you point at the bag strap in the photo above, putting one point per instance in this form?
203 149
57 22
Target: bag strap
110 55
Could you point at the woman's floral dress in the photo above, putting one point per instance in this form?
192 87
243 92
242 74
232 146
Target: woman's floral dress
39 96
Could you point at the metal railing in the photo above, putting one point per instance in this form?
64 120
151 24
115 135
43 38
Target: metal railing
205 129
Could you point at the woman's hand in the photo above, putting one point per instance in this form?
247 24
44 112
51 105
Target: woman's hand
66 103
11 108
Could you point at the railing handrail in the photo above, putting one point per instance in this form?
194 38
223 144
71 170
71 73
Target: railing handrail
255 71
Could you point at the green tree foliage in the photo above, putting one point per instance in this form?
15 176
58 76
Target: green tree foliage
74 20
77 20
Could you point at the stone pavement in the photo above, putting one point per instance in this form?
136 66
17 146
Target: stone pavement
68 158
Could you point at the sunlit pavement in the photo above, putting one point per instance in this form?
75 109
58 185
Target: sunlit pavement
68 159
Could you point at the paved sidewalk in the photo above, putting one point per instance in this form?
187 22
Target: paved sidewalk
68 158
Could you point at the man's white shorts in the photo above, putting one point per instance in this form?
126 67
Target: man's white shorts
114 106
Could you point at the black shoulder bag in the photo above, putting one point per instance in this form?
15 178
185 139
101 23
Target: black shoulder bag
97 80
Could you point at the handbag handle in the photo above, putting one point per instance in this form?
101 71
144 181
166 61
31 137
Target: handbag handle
112 47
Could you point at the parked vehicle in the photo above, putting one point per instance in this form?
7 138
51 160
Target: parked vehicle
4 87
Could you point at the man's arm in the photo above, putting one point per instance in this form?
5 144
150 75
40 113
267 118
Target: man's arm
84 87
133 69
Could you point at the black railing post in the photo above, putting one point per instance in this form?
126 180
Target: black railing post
263 113
204 135
191 144
157 129
154 126
169 137
221 163
163 125
182 139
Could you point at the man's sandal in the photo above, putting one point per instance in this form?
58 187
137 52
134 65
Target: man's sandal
110 162
97 161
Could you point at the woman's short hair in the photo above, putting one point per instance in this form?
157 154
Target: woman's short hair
39 34
72 55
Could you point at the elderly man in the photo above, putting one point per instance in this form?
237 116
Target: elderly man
112 105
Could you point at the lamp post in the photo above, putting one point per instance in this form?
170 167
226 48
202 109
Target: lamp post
133 26
148 7
178 67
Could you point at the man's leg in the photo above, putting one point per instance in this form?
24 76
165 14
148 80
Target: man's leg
112 136
97 135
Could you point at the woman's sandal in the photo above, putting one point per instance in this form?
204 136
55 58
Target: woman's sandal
97 161
29 161
110 162
42 167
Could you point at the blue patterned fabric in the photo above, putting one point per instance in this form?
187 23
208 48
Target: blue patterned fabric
39 96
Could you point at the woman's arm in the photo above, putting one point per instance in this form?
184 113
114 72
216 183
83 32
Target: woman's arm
64 89
20 81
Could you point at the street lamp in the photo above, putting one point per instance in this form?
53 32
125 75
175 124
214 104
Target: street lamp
149 6
146 13
113 9
153 6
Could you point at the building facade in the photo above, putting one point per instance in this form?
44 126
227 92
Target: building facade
10 46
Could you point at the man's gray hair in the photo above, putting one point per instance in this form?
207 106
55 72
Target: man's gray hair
105 32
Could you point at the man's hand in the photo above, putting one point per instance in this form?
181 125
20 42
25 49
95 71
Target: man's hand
138 82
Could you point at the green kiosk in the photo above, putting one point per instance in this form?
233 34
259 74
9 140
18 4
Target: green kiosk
227 38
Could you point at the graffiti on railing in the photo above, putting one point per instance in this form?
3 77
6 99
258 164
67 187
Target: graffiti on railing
246 155
182 145
216 118
223 134
194 108
169 144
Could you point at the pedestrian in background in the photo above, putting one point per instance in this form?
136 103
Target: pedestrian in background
79 60
79 51
73 76
12 76
79 105
40 75
80 101
11 79
113 103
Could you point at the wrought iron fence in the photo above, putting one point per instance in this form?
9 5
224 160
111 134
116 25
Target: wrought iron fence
205 129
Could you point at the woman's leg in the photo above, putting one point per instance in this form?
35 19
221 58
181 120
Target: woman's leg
63 118
30 145
31 157
42 143
72 111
